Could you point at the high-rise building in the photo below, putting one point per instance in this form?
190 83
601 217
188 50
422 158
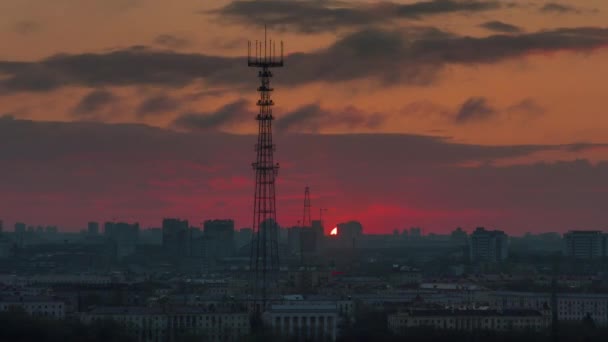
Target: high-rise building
177 240
415 232
349 233
302 240
123 237
93 228
20 227
219 238
585 244
488 245
459 236
242 238
51 230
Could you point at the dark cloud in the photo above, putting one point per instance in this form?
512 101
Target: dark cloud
311 16
27 27
412 56
474 109
313 118
554 7
499 26
133 66
527 106
94 102
157 104
160 172
172 42
226 115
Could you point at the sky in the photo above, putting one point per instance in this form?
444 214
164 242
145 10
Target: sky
429 113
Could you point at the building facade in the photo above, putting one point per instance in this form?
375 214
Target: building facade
570 306
148 324
470 320
488 245
585 244
316 322
219 238
35 306
176 237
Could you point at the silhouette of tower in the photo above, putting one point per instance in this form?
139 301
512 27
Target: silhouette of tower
264 260
306 221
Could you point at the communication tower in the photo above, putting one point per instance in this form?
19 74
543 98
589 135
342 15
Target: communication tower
264 258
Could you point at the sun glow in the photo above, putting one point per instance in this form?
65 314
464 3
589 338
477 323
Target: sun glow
334 231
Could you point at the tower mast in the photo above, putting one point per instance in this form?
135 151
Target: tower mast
264 258
306 223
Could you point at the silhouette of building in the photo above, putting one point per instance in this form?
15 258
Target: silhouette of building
585 244
470 319
488 245
302 240
123 237
349 233
219 238
93 228
415 232
51 230
459 236
242 238
177 239
304 321
20 227
159 324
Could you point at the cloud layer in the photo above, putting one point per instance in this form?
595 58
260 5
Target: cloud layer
305 16
408 56
69 173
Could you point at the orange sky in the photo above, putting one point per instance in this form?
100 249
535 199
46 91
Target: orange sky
568 85
544 97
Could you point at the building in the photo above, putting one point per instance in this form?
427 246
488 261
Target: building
177 240
307 279
315 322
349 234
219 238
152 324
20 227
470 319
585 244
459 237
35 306
123 237
302 240
488 245
415 233
405 275
93 228
570 306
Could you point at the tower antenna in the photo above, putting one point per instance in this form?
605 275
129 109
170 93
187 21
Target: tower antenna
264 257
306 221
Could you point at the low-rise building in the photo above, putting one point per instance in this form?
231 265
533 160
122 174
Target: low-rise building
35 306
301 320
570 306
470 319
151 324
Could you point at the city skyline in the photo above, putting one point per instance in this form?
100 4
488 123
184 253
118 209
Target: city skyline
431 113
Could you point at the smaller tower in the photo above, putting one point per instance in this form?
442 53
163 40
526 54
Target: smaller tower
306 221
